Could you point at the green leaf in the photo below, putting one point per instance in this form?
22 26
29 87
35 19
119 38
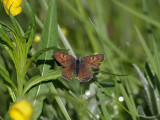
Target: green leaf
151 94
17 27
5 75
37 79
60 103
157 58
102 117
32 15
112 74
32 28
137 14
103 106
11 53
7 43
49 36
8 82
34 57
156 117
5 38
1 118
107 83
12 93
147 51
37 95
141 111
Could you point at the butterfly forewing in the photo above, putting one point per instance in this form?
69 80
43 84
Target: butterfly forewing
68 62
64 59
93 60
85 73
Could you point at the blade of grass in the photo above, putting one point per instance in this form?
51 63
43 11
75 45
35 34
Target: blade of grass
65 41
156 57
152 99
103 106
115 99
60 103
133 12
147 51
87 29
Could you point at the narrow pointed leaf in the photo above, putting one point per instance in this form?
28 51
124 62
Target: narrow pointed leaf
38 79
147 50
152 99
5 75
49 36
17 27
5 38
32 28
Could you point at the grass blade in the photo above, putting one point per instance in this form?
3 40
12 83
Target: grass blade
103 106
147 51
133 12
151 94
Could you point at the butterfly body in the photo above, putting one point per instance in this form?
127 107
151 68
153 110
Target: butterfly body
79 68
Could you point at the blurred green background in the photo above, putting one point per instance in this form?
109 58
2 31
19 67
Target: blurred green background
97 26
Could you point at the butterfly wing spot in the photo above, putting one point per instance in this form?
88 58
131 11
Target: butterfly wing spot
62 56
93 58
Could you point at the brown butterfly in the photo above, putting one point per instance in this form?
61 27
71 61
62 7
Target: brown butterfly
81 68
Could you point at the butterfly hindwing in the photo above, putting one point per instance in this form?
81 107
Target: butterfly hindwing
69 71
85 73
64 59
93 60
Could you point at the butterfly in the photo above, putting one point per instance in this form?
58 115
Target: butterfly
80 68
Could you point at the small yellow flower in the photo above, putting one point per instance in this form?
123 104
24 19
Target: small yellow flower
65 31
21 110
13 6
37 38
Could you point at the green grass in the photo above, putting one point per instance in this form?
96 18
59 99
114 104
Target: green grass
127 33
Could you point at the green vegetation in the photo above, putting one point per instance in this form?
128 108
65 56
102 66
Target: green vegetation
125 87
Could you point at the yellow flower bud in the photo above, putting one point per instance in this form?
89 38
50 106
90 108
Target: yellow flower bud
37 38
21 110
13 6
65 31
